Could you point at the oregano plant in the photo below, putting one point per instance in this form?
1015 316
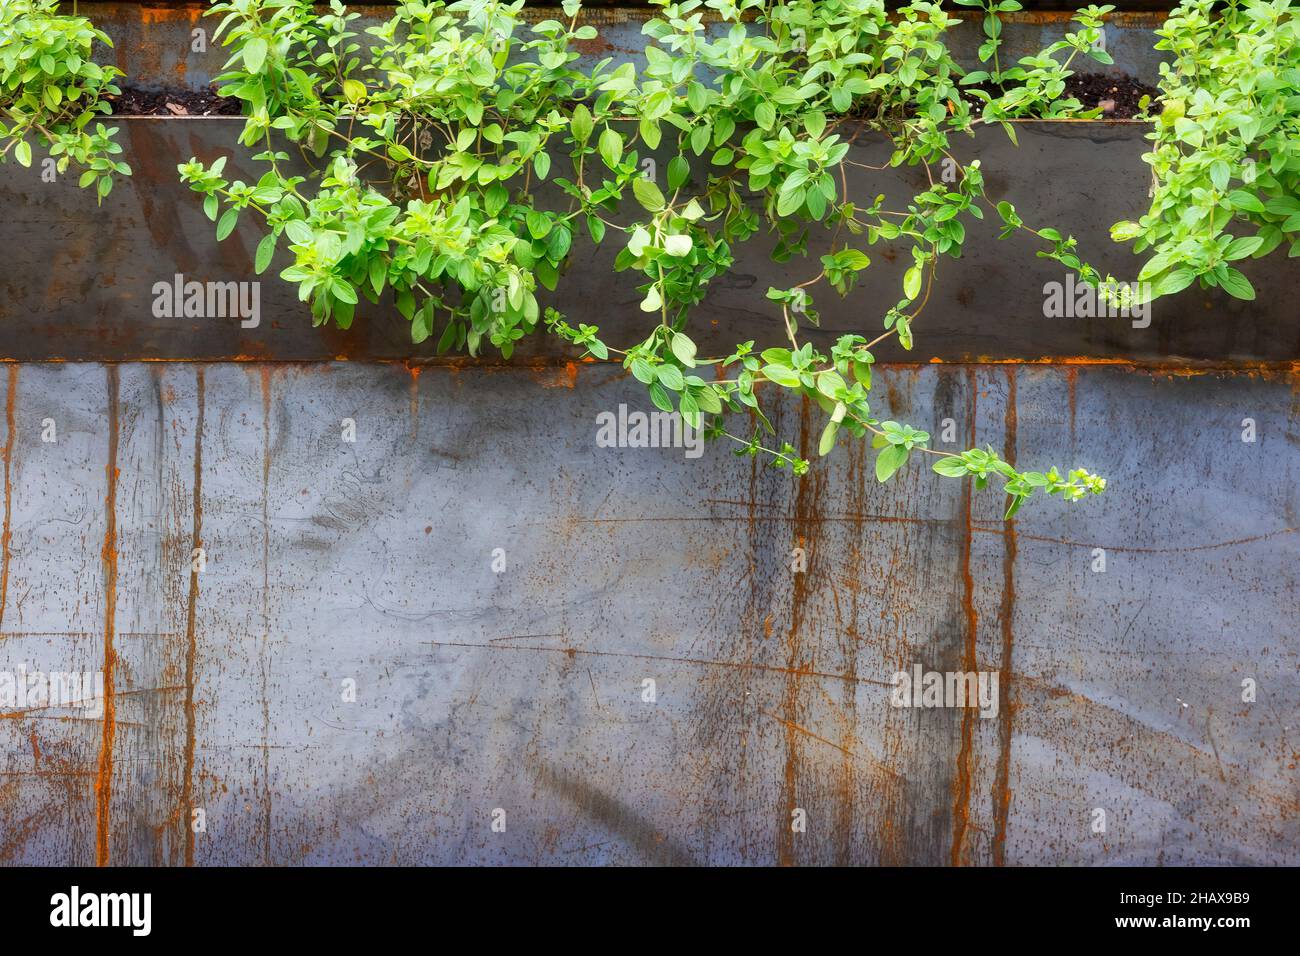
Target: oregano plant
459 152
1225 155
51 89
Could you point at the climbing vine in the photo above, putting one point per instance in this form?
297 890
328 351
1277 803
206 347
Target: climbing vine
460 153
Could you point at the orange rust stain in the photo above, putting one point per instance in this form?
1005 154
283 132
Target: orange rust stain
191 640
104 776
805 523
36 747
6 534
158 14
1002 778
961 804
414 371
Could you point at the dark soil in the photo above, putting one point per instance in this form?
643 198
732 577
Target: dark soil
1117 96
134 102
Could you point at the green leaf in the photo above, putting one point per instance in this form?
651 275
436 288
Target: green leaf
789 201
23 153
828 438
677 246
611 147
670 377
254 54
648 194
1237 285
951 467
782 375
448 338
422 324
539 224
1220 173
226 225
684 349
912 282
1176 280
889 460
378 274
265 252
660 397
580 124
1245 201
678 170
653 301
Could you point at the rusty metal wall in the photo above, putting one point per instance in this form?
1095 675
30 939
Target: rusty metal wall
129 441
73 265
155 43
522 690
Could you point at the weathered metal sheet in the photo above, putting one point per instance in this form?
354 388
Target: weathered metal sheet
523 690
169 46
81 280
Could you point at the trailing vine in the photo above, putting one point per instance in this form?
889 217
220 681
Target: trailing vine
462 153
50 90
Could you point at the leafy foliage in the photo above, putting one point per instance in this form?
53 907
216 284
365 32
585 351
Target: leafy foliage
1226 145
50 90
435 129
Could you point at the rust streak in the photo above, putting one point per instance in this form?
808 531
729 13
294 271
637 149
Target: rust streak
1002 779
961 804
804 508
187 781
104 777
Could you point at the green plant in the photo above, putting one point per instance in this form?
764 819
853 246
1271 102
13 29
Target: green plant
1226 146
50 89
435 133
1034 86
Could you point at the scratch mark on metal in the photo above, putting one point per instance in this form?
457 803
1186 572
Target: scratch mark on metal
739 665
792 726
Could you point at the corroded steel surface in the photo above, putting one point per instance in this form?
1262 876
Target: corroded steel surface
156 44
482 687
80 279
523 690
